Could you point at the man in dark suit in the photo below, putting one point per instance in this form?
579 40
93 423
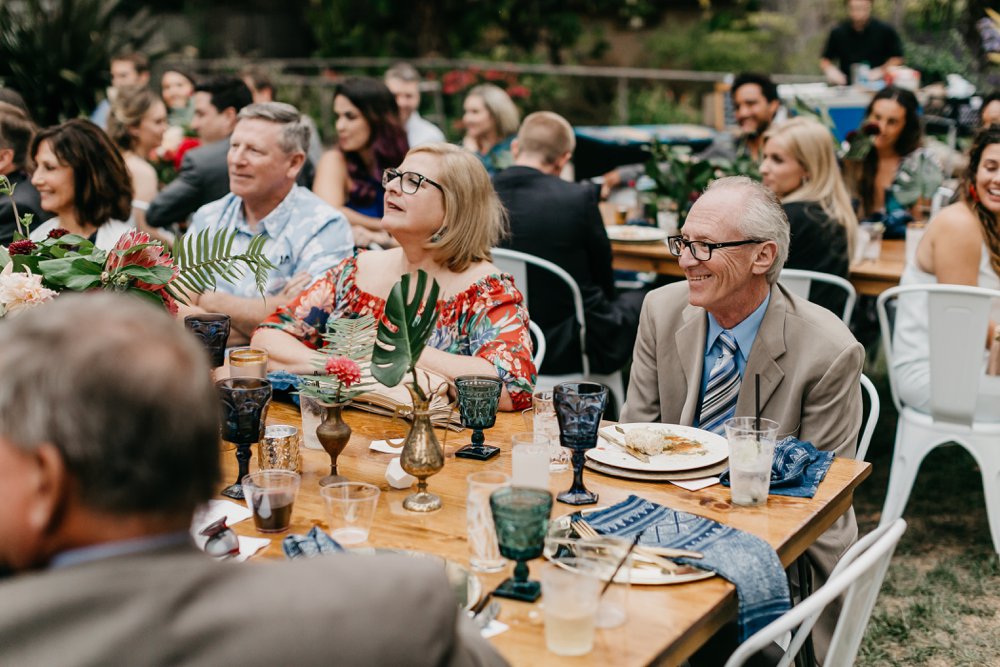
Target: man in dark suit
204 176
16 131
109 438
559 221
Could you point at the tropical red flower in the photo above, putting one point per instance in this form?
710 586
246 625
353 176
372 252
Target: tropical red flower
345 370
22 247
58 233
185 146
150 256
518 92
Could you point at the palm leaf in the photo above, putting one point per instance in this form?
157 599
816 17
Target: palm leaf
353 338
404 330
204 257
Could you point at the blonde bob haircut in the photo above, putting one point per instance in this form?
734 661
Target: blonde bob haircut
811 145
474 219
499 105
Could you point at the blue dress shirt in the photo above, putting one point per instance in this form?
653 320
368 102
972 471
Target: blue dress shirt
745 332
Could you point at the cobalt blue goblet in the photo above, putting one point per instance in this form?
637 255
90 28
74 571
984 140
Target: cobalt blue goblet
579 408
244 409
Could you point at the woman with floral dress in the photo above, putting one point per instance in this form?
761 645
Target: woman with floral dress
442 210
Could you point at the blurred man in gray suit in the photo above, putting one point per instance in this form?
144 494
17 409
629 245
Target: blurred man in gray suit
109 439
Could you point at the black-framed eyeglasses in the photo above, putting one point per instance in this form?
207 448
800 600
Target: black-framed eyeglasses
701 250
409 181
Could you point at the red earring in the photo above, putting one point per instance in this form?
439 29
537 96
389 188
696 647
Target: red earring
973 194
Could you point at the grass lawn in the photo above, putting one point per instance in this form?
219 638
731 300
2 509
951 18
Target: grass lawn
940 604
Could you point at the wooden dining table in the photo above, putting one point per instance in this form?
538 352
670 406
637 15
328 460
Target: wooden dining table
871 277
666 623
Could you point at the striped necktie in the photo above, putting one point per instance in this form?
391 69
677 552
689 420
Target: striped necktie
719 402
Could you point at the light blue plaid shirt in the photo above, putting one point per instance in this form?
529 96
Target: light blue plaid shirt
304 234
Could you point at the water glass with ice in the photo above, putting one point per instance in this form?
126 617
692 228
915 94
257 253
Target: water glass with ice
484 552
751 452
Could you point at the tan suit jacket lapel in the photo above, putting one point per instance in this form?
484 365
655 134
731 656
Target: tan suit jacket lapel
690 340
768 347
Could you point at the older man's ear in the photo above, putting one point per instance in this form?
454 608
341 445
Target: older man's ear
766 253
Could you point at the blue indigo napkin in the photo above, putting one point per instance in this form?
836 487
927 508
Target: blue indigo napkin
797 469
315 543
285 381
743 559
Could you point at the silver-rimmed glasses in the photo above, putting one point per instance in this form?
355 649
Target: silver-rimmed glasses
409 181
701 250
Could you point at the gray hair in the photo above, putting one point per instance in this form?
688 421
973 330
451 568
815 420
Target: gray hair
760 217
403 72
294 130
123 392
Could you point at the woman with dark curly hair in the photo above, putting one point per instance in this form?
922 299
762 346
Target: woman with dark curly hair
895 147
83 180
960 247
370 139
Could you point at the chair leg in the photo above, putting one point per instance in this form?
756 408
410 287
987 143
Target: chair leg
990 465
909 451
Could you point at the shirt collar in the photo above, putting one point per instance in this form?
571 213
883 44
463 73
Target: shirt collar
274 222
745 332
119 548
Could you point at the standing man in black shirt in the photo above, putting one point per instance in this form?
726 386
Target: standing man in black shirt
860 39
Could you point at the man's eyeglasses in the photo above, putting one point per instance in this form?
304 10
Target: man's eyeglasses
701 250
409 181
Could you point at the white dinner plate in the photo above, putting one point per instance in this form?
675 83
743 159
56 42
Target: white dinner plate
635 234
714 449
641 573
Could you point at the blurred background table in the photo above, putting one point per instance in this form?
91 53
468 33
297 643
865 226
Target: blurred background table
665 624
599 149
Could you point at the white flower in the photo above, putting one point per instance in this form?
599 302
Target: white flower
19 291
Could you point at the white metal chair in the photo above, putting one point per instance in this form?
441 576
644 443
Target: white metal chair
957 319
798 282
859 574
539 335
516 264
874 410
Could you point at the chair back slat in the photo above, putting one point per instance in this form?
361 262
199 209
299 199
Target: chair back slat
799 282
958 324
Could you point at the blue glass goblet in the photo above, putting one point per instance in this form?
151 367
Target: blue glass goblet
244 409
478 399
212 329
521 517
579 408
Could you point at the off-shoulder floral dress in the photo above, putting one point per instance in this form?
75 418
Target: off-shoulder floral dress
487 320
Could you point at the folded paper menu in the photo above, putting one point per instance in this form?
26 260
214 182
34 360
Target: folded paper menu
392 401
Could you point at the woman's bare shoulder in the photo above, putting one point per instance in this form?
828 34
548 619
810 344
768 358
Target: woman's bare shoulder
955 219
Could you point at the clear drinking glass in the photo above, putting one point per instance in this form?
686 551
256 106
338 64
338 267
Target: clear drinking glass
484 553
270 495
751 452
352 508
530 460
541 419
247 362
571 600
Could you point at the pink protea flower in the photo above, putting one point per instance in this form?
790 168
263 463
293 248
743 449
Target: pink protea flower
346 371
150 256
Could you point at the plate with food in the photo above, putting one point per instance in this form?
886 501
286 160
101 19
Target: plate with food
658 447
563 542
635 234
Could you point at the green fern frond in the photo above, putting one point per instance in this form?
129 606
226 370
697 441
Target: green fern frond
204 257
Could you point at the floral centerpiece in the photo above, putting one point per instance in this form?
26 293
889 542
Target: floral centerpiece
860 142
34 272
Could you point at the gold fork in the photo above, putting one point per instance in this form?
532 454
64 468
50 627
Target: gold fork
584 529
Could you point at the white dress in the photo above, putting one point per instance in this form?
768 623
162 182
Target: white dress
911 344
107 234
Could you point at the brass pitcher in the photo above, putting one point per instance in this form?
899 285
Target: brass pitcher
422 455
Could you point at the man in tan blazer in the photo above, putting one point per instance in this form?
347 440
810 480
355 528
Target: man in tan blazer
735 241
109 438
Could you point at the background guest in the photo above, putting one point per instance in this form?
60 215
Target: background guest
177 89
490 120
404 82
370 139
441 208
860 39
961 246
83 180
801 168
127 69
137 122
16 132
898 143
989 113
203 176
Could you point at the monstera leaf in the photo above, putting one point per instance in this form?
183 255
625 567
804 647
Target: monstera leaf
402 333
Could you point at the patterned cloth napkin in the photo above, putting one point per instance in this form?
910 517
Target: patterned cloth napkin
797 469
745 560
315 543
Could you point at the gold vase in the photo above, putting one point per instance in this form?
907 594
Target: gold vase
422 455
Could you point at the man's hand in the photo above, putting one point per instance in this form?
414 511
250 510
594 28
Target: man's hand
835 76
612 180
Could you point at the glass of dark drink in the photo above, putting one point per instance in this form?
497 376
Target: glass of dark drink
270 495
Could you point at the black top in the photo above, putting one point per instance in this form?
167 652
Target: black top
27 200
560 221
819 243
875 44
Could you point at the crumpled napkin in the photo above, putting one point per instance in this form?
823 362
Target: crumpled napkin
314 543
743 559
797 469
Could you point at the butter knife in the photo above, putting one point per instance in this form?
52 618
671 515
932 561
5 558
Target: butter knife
620 444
